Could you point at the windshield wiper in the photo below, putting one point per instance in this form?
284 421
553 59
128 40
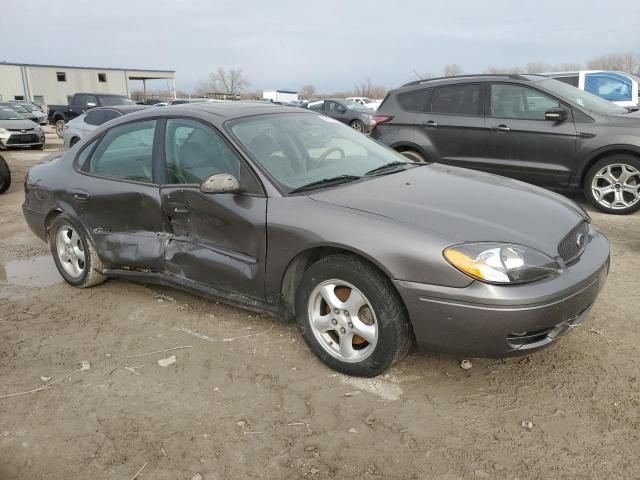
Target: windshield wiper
325 182
388 168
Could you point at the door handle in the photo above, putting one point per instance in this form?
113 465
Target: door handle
81 196
502 128
180 210
430 123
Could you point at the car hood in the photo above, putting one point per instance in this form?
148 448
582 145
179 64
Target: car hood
17 124
463 205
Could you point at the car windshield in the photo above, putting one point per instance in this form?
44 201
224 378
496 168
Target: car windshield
19 108
299 149
110 100
9 114
581 98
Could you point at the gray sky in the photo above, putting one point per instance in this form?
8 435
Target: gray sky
333 44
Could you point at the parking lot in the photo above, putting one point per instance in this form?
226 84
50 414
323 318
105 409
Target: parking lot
246 398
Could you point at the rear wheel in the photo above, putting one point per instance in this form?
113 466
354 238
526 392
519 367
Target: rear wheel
60 127
351 316
5 176
357 125
413 156
73 253
612 185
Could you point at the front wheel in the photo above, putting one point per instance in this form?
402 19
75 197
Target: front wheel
612 185
73 254
60 127
413 156
351 316
5 176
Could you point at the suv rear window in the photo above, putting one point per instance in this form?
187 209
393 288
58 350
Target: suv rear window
457 100
415 101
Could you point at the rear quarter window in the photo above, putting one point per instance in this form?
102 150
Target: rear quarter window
415 101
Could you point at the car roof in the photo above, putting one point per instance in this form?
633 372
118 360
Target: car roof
486 77
123 108
230 110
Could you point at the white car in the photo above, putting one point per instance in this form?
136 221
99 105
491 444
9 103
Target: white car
365 102
86 123
618 87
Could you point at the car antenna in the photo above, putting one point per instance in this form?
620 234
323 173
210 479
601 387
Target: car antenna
417 74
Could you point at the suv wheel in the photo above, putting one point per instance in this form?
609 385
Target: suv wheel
613 184
357 125
351 316
413 156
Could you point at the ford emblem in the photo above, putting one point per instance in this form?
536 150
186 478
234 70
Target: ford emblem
23 131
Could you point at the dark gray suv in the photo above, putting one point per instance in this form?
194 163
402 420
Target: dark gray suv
526 127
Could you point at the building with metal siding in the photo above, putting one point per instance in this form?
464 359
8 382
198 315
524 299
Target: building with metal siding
54 84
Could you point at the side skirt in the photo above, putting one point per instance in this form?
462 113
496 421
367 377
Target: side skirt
195 288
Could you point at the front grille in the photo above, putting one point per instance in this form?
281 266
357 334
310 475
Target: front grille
572 246
23 130
23 139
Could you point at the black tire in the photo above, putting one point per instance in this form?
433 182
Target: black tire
5 176
394 333
92 271
413 156
59 127
357 125
73 141
607 202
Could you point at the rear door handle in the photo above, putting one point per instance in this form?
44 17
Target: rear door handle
502 128
81 195
177 207
430 123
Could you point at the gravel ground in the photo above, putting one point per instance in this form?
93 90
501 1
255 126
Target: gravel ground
248 400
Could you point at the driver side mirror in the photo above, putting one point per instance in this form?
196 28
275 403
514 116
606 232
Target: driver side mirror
91 105
558 114
220 183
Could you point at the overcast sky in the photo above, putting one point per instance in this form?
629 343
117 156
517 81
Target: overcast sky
333 44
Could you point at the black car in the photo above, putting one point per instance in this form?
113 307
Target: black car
351 113
527 127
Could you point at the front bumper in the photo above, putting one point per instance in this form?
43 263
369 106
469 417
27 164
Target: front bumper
496 320
19 139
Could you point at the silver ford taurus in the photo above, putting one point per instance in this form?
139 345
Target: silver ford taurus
289 212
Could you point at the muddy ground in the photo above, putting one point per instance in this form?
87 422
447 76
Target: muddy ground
248 400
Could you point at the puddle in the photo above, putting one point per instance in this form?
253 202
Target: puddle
34 272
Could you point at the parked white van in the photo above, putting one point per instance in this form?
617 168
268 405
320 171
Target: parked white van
617 87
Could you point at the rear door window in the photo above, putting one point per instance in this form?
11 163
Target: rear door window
462 99
126 152
573 80
95 117
611 86
110 115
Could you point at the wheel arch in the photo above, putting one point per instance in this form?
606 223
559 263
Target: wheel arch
602 153
298 265
49 219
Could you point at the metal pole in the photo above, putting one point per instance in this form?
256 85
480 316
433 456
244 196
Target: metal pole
144 88
173 83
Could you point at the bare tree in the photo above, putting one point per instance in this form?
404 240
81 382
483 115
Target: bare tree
452 70
231 82
307 91
624 62
538 67
369 89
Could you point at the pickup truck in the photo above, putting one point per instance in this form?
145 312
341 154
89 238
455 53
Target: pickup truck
80 103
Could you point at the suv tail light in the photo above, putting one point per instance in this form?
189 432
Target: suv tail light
378 119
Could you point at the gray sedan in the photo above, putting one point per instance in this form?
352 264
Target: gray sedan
86 123
285 211
34 115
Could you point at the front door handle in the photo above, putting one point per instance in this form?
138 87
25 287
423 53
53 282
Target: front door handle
177 207
502 128
430 123
180 210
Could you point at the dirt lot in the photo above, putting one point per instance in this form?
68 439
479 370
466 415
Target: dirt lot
248 400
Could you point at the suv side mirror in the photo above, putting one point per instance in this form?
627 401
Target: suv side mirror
91 105
557 114
220 183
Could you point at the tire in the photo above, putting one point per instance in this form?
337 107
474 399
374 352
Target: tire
612 184
5 176
73 141
376 310
59 127
81 274
357 125
413 156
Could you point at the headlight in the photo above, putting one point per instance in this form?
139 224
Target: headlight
501 262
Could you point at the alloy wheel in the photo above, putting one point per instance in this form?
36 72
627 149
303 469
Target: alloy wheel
616 186
60 128
70 251
357 125
343 321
